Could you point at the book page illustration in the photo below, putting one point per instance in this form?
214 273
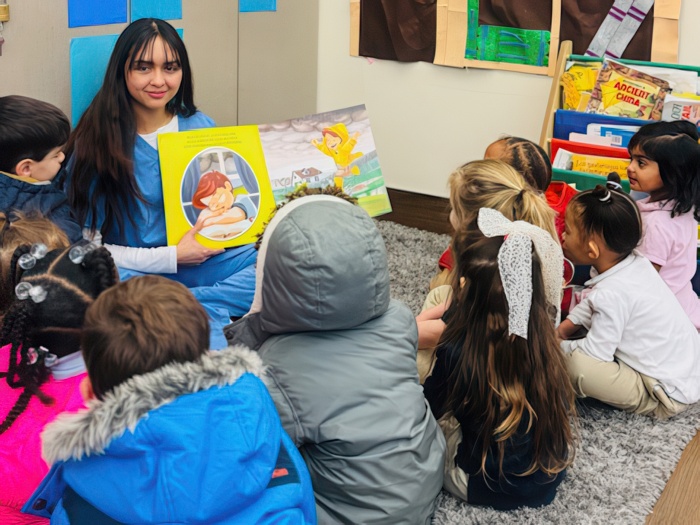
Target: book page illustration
335 147
219 194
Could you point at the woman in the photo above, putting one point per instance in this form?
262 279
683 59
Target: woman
115 179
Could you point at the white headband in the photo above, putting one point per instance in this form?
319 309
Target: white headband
515 265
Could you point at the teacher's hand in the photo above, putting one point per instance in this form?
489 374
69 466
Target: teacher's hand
190 251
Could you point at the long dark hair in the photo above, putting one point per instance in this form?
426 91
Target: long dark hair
53 322
502 380
102 144
674 147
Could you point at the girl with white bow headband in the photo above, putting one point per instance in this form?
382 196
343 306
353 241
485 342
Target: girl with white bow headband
500 384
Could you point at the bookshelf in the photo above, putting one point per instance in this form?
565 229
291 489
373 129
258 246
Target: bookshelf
582 180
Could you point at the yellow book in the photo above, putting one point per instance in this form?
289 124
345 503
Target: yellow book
623 91
225 182
577 82
215 180
599 165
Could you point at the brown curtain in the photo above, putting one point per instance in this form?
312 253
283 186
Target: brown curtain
580 19
404 30
401 30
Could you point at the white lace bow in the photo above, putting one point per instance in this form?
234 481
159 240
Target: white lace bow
515 265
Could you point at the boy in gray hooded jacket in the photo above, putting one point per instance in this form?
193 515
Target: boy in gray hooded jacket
341 361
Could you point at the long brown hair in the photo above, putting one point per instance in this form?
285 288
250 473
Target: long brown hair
101 148
502 380
16 229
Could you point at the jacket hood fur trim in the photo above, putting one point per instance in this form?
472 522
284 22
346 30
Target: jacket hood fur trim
72 436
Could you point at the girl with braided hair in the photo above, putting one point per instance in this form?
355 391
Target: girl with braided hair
641 352
41 329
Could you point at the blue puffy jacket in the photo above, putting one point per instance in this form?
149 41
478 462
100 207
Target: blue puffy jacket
195 442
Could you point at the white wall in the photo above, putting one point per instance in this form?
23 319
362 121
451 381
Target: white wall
35 58
428 120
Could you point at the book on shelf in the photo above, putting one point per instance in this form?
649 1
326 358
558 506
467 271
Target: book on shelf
587 149
685 106
577 83
624 91
591 164
568 121
226 181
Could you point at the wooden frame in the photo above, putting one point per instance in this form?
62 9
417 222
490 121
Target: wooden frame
452 34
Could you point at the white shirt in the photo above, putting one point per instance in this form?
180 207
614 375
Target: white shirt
632 315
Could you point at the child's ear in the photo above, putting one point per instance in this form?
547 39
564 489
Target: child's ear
593 250
24 168
86 389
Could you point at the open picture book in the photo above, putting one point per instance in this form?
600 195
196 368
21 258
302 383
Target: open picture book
225 182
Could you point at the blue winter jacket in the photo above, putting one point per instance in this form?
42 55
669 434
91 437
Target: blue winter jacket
47 199
188 443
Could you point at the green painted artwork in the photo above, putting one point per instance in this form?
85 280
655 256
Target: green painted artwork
472 28
517 46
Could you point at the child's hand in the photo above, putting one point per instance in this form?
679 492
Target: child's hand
566 329
190 251
436 312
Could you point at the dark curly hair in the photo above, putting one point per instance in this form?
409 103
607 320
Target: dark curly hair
53 323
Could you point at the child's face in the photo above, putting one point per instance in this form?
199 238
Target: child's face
574 244
49 166
332 141
154 80
644 175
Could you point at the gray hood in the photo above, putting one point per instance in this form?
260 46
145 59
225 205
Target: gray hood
322 266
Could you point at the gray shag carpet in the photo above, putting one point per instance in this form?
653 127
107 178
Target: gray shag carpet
623 461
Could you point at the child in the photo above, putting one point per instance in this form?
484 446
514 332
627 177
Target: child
499 384
528 159
641 352
42 327
341 357
338 144
214 197
479 184
32 135
173 433
17 229
116 186
666 165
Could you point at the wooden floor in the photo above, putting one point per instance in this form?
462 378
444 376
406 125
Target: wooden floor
679 503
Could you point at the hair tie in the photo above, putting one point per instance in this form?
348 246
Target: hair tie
25 290
27 261
606 197
77 253
518 198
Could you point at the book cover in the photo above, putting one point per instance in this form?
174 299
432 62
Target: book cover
682 107
623 91
225 182
215 180
599 165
